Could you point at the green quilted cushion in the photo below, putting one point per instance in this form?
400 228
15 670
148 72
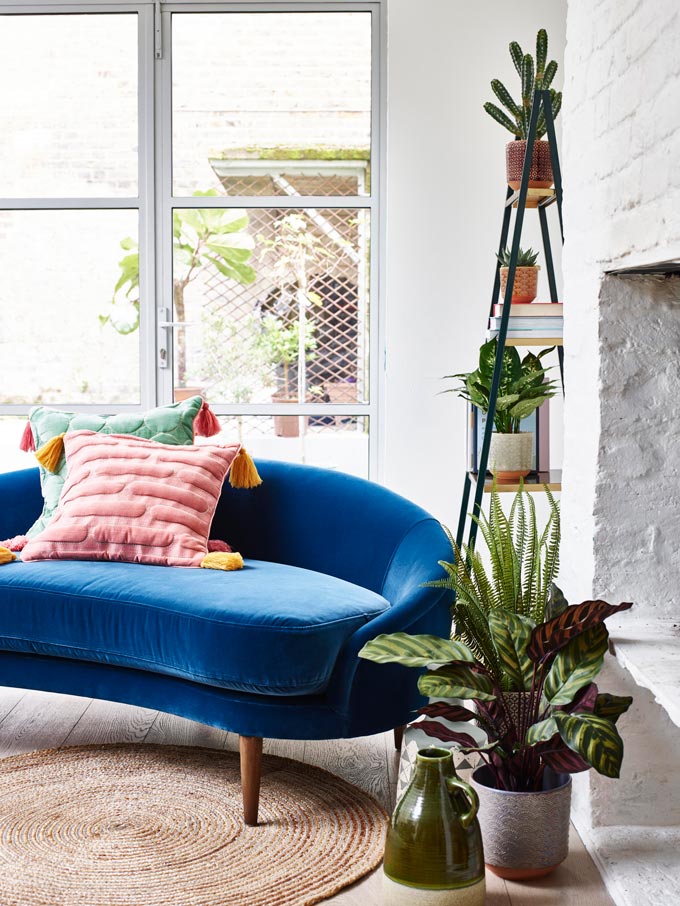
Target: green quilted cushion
172 424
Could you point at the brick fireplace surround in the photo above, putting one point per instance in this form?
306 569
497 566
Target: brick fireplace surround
621 489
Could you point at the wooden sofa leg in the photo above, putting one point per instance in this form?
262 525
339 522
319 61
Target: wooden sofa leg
398 737
250 748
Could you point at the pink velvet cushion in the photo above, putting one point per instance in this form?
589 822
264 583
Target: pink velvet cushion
128 498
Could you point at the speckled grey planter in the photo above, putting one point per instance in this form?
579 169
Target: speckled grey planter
525 835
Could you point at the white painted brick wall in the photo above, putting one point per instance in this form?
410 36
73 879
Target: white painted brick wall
622 207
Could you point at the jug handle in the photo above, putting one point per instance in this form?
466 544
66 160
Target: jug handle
455 783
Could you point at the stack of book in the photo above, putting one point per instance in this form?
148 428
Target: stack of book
531 321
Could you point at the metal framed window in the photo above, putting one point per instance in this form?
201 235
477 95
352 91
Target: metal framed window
279 322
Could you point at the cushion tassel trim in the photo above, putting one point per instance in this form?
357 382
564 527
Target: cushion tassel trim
206 424
220 560
49 455
243 473
7 556
27 442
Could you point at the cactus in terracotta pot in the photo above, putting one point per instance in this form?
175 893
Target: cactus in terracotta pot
535 75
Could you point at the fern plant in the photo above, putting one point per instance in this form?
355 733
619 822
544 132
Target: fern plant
534 76
523 562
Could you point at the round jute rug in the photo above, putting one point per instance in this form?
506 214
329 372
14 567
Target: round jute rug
150 825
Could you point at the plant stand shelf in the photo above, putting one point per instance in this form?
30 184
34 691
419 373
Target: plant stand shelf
533 483
520 199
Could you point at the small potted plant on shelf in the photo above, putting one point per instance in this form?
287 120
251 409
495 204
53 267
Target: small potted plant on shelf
534 77
523 388
525 285
527 661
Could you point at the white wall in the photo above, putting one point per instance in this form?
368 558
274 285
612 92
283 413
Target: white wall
445 191
622 208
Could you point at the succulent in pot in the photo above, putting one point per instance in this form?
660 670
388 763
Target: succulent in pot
543 715
523 388
535 75
525 285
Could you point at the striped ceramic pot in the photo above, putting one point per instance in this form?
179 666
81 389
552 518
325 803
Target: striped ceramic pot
526 835
433 849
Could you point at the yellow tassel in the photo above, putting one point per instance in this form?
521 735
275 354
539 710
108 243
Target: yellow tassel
222 560
6 556
243 472
50 453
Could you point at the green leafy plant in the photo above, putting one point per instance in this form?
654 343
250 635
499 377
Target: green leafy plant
525 258
559 719
523 563
280 344
202 238
523 386
534 76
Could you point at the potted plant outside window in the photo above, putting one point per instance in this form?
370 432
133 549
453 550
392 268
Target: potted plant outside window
279 343
527 661
523 388
525 285
534 76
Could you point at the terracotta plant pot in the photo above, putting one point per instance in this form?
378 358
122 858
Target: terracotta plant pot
540 174
185 393
510 455
526 835
525 287
286 425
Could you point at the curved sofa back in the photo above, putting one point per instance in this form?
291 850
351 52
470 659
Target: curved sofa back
320 519
301 515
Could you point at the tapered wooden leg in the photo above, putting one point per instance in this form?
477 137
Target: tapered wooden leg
398 737
250 748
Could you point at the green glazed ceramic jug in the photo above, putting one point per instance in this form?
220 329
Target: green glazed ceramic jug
433 850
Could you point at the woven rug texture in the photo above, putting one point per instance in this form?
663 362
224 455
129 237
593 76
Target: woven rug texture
123 825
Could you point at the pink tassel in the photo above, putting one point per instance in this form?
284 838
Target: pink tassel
218 547
18 543
206 423
27 442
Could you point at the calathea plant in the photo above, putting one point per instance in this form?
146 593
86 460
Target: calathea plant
523 387
534 76
559 720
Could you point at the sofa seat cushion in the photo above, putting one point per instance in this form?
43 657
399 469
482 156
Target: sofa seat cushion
268 628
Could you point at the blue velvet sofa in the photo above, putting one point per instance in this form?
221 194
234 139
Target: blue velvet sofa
267 651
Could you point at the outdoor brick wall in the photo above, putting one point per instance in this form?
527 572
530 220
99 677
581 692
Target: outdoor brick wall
621 500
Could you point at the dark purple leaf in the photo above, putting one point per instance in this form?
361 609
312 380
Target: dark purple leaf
439 731
562 760
584 701
550 637
447 711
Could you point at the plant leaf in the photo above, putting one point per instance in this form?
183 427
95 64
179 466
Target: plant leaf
543 731
448 711
549 637
439 731
511 633
594 738
415 650
457 681
557 603
560 757
576 665
612 707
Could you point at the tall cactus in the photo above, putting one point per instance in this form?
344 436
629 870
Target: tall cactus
533 78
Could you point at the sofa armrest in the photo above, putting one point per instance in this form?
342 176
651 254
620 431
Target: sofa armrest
413 608
20 501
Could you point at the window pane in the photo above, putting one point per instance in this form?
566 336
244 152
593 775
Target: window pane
332 442
59 270
68 106
272 103
11 457
262 286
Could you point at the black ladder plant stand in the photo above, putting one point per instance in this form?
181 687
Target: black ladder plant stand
540 102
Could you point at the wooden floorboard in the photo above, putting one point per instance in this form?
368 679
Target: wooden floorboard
37 720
